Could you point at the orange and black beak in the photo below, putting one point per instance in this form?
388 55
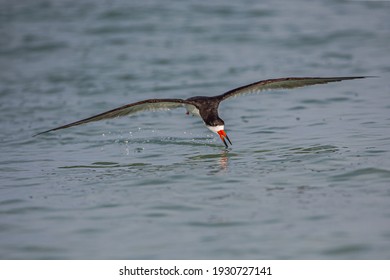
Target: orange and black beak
224 137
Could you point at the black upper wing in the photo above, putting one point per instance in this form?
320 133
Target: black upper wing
130 109
283 83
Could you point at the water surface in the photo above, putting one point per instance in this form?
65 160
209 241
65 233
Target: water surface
307 177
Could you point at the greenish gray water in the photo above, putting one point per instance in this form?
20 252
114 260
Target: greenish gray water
307 177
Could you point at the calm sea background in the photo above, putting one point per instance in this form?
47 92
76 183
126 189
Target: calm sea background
307 177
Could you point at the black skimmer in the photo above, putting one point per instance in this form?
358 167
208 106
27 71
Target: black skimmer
206 107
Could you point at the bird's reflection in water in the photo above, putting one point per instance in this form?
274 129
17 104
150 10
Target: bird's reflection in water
223 160
220 163
214 163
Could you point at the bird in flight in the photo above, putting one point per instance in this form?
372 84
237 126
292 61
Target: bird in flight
206 107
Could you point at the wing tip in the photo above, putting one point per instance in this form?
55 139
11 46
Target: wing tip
357 77
330 77
43 132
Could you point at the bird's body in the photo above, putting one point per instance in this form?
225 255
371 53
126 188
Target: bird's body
206 107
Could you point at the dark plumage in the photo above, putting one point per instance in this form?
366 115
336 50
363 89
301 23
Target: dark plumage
204 106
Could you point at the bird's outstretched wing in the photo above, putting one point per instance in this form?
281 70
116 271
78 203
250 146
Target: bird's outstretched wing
283 83
129 109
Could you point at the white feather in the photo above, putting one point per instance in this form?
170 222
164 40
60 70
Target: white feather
217 128
192 110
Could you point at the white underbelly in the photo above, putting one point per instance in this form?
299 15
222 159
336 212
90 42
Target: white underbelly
192 110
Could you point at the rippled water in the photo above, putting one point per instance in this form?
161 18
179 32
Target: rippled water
307 177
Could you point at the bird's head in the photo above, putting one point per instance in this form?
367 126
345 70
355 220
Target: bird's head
220 130
222 134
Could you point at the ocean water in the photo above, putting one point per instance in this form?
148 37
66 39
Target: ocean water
307 177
